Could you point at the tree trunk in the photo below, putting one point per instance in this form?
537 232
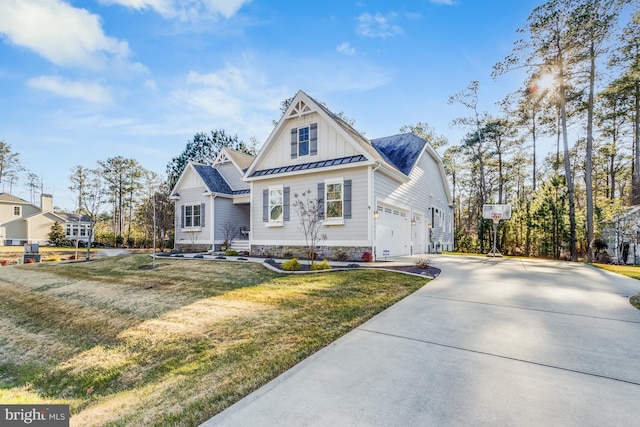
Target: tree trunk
570 190
636 145
588 163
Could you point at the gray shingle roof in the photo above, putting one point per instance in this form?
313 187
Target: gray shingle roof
213 180
401 150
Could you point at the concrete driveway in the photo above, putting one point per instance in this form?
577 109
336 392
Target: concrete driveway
490 342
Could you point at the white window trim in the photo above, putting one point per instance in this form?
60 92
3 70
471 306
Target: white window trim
308 127
192 228
275 223
336 220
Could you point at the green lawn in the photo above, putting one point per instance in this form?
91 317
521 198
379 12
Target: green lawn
125 345
625 270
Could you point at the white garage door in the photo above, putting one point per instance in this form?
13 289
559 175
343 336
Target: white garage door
392 233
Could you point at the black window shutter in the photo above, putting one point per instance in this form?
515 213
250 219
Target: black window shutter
347 199
181 216
285 202
265 205
313 139
202 215
294 143
321 200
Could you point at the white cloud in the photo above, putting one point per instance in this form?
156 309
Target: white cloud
91 92
185 10
378 25
346 48
236 99
150 84
63 34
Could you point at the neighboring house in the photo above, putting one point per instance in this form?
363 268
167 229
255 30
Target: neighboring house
388 196
622 236
22 222
212 204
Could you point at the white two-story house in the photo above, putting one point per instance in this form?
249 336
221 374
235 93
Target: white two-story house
387 196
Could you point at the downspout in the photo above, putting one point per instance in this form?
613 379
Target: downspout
374 209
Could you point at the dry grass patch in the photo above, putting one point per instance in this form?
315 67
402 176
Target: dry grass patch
171 346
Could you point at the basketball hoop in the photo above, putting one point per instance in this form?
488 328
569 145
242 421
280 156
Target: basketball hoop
496 213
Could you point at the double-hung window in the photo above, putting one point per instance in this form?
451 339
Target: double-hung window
276 205
17 211
192 216
334 200
304 141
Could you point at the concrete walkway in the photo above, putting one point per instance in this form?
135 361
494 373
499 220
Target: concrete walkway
490 342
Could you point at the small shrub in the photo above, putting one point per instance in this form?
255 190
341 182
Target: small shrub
72 256
353 265
342 256
54 258
324 265
4 262
292 265
231 252
367 256
423 262
270 261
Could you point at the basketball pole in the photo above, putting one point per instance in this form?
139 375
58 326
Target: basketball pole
494 251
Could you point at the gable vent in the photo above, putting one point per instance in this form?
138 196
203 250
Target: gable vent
300 109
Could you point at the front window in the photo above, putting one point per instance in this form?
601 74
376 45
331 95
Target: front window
192 216
334 200
276 211
16 211
303 141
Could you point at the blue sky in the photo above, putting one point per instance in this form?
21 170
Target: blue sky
84 80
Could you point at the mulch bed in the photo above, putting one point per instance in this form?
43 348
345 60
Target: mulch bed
429 271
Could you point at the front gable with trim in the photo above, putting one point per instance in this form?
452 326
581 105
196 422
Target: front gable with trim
306 135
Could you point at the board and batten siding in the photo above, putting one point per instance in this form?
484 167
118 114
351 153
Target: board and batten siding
354 232
425 190
331 144
193 196
226 213
230 174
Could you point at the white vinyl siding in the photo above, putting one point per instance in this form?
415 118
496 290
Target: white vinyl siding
353 232
331 144
227 214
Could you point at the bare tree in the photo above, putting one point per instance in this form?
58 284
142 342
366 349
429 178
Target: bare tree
92 201
9 165
311 214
